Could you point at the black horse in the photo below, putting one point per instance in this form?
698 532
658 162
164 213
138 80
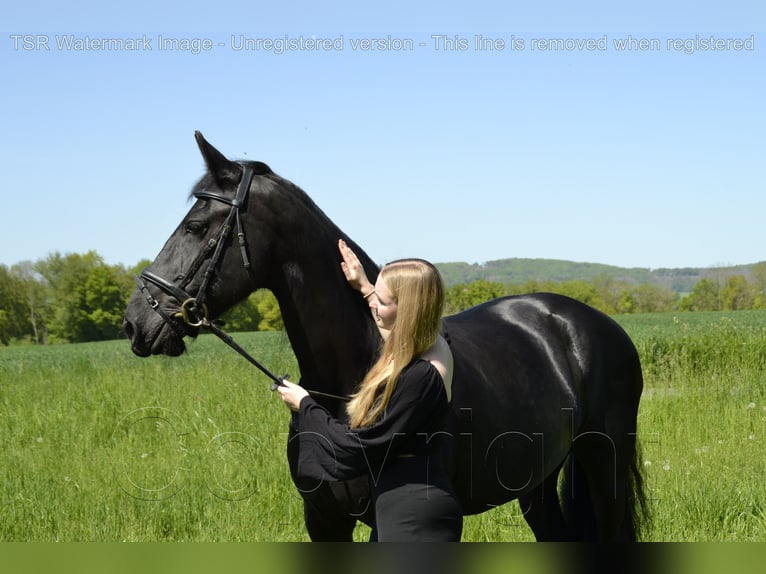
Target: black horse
541 382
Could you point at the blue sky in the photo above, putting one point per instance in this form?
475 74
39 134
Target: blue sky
631 158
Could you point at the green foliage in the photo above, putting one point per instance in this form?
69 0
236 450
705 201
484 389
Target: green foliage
758 274
140 266
603 293
461 297
737 294
704 297
13 319
648 299
521 271
268 308
243 316
87 297
259 312
104 303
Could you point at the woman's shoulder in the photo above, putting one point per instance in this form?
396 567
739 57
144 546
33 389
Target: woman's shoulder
419 367
419 382
429 373
419 371
439 356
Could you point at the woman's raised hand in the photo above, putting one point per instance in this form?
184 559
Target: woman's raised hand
353 270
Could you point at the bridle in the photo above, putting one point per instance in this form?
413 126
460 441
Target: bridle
193 311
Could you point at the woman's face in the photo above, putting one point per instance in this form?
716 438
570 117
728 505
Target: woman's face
383 307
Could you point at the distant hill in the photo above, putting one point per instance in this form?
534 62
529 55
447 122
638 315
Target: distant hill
516 270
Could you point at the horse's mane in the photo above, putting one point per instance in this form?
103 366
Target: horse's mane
294 196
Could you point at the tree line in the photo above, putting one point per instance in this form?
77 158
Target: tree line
79 297
615 297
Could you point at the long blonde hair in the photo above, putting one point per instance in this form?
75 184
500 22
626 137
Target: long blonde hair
419 295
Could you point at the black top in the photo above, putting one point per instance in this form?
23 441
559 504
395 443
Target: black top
414 423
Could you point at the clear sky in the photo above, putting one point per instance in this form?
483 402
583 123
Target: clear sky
428 147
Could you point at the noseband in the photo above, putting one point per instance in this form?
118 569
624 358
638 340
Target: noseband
193 311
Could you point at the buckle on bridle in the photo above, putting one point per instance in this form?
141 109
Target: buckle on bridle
190 313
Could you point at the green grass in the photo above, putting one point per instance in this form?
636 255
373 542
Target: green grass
99 445
703 422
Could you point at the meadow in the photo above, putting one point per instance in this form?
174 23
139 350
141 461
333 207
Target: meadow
100 445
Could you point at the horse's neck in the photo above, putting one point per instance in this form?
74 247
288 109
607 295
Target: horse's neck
328 324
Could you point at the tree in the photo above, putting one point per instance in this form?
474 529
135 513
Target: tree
104 303
460 297
88 296
704 297
759 284
13 321
35 295
646 298
268 308
582 291
737 294
612 295
243 316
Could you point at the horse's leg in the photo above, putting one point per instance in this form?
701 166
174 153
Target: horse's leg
325 515
325 519
542 510
605 459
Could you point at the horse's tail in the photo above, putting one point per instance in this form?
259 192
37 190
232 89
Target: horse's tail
577 504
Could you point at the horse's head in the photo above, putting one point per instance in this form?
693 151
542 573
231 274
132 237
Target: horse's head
250 228
205 266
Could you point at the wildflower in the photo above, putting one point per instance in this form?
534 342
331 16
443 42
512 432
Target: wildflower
647 463
666 465
750 406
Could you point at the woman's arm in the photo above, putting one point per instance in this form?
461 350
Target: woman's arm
329 448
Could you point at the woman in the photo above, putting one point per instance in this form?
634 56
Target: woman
397 420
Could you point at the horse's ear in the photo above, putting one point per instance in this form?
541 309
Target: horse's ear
218 165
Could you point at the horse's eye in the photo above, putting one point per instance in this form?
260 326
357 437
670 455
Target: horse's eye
195 227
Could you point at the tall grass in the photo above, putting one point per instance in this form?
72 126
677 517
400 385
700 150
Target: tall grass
99 445
703 423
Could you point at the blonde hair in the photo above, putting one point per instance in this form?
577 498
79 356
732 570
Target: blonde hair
418 291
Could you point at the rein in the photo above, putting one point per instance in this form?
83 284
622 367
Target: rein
193 311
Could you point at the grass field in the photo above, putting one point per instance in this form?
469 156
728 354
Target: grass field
99 445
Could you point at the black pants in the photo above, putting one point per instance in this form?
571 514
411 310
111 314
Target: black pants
414 502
